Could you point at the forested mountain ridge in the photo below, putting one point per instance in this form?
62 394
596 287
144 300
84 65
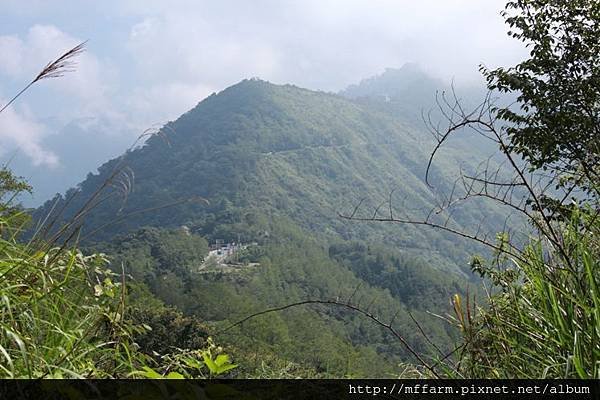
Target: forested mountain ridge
273 166
217 247
412 95
395 85
275 150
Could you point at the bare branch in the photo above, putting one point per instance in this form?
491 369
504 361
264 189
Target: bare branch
349 306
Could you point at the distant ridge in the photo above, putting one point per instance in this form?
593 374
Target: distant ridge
408 82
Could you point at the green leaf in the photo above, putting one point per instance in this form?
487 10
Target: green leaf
192 363
150 373
210 363
225 368
222 359
174 375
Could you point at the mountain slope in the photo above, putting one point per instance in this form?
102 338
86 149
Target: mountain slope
274 165
406 90
414 96
283 151
329 340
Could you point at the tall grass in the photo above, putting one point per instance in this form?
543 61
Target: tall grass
62 315
545 319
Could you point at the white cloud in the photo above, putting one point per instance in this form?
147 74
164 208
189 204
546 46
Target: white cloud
88 85
180 47
162 102
161 58
314 43
11 48
23 132
321 44
79 92
180 59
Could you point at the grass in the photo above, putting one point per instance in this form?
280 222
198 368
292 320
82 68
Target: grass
545 320
62 315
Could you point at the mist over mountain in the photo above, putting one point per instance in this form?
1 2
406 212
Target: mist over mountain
408 84
299 212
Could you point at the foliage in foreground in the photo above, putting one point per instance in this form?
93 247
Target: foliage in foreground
543 316
65 314
545 320
61 315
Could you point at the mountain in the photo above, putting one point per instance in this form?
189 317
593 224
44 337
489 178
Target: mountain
272 166
409 88
414 96
280 151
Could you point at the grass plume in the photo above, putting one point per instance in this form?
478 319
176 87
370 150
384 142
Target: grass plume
54 69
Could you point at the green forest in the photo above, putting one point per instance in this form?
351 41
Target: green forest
278 232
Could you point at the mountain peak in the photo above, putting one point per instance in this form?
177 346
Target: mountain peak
275 150
407 71
408 81
264 117
247 93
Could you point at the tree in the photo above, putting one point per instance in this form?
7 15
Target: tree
542 321
556 124
541 318
11 187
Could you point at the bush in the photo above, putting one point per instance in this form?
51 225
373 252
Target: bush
62 315
544 320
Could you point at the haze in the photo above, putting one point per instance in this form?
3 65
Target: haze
148 62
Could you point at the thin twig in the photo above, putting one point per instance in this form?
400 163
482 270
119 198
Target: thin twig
369 315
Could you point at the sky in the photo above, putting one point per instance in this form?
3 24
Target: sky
147 62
